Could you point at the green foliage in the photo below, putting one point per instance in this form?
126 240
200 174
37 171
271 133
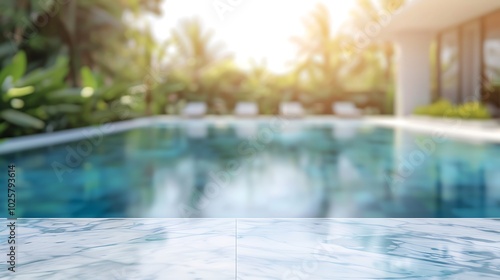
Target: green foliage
42 100
87 77
473 110
389 101
23 95
89 63
53 71
18 92
443 108
18 66
21 119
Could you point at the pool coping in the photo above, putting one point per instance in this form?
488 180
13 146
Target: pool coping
486 131
467 130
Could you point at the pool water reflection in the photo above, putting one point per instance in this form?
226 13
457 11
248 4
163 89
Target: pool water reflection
250 169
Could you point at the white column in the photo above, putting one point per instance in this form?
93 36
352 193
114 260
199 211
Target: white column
413 80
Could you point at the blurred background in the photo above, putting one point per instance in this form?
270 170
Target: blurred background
70 63
67 64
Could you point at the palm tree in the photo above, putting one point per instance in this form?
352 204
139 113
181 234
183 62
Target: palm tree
316 48
375 57
195 46
319 56
45 29
368 11
195 50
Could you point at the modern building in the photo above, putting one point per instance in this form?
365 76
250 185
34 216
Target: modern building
465 35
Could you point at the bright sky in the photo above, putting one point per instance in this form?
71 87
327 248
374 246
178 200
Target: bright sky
251 29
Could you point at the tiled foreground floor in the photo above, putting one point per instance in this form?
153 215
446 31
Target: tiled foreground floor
265 248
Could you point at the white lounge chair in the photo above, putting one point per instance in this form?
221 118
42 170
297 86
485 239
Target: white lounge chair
346 109
291 109
246 109
194 109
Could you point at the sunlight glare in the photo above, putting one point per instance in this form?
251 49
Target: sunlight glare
257 30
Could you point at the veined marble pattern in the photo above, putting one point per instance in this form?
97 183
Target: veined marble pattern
285 249
458 249
123 249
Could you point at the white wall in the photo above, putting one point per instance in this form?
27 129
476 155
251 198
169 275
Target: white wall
413 75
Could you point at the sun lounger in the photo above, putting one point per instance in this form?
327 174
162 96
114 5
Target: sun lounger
246 109
194 109
345 109
291 109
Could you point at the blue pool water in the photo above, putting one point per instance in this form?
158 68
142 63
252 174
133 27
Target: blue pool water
251 169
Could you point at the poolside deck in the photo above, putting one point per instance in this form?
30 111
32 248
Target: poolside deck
475 131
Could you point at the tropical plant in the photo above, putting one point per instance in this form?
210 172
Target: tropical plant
319 54
373 62
443 108
439 108
41 100
64 74
473 110
45 29
57 72
31 102
198 62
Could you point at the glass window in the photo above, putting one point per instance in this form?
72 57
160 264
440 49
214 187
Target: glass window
449 66
491 56
471 62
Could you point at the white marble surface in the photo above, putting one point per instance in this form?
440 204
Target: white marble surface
264 249
123 249
369 249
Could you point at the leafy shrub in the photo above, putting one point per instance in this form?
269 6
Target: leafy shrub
41 100
25 97
443 108
473 110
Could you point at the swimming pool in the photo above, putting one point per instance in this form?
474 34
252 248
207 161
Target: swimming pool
253 169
